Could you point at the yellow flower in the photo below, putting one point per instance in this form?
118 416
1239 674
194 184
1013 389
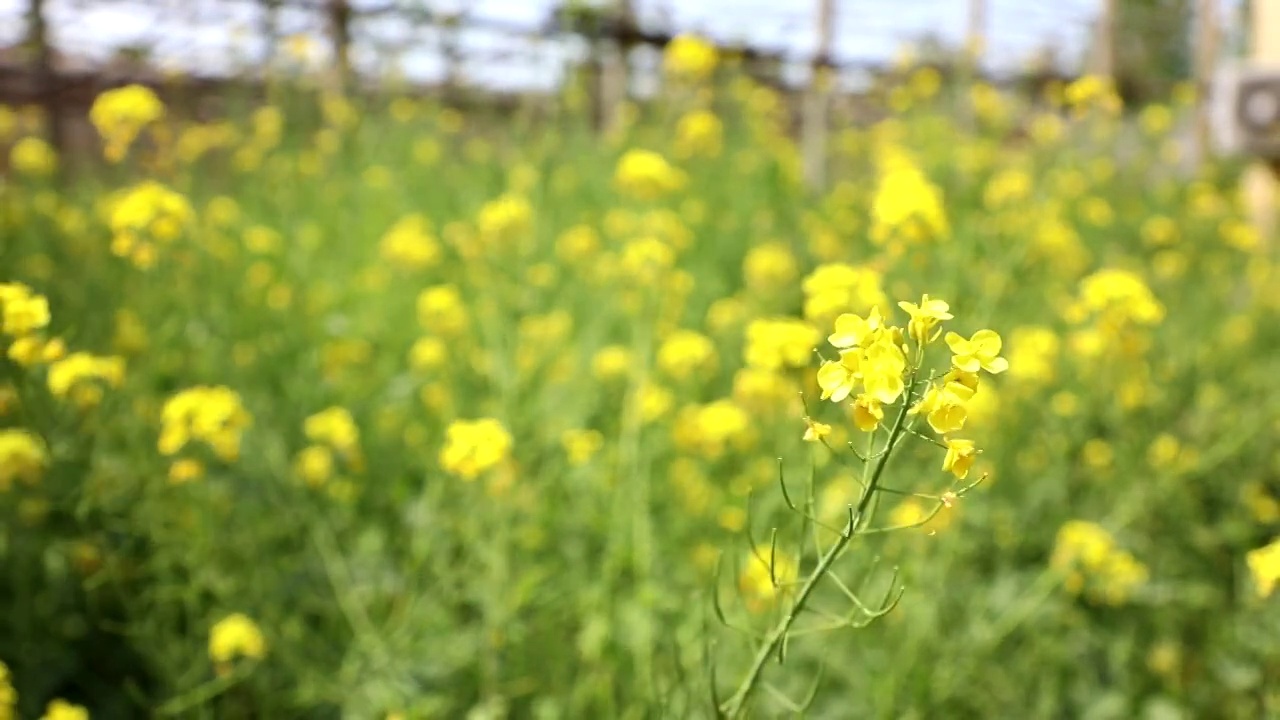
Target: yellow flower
646 175
144 215
882 369
836 288
185 470
924 317
982 351
838 379
33 156
474 446
684 353
581 445
334 427
769 268
776 343
314 464
212 415
699 132
763 584
63 710
236 636
611 362
74 376
120 114
691 57
1264 565
944 406
867 412
505 219
441 310
906 204
959 458
24 311
22 457
814 430
409 244
853 331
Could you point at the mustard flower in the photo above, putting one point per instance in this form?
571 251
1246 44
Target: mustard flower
854 331
144 216
684 353
924 317
581 445
611 363
442 311
24 311
333 427
314 464
815 431
776 343
762 584
959 458
74 377
646 175
22 457
835 288
236 636
34 157
690 57
1264 566
982 351
769 267
474 446
214 416
868 412
944 406
8 695
409 244
503 220
882 370
838 379
121 114
699 132
59 709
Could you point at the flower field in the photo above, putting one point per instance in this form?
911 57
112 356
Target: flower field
374 408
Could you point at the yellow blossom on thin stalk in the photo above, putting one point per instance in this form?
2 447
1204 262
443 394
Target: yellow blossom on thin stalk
924 317
236 636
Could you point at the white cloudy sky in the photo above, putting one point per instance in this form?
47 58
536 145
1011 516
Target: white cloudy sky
207 34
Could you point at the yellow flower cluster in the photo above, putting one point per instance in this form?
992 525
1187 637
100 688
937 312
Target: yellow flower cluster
59 709
334 438
236 636
81 377
121 114
1094 565
409 244
835 288
33 157
685 353
875 365
214 416
24 314
144 217
778 343
1264 566
22 457
763 582
474 446
906 205
504 220
712 429
647 175
690 57
699 132
1118 298
8 695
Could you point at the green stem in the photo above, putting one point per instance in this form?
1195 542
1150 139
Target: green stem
736 704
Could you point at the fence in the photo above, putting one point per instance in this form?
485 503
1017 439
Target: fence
61 52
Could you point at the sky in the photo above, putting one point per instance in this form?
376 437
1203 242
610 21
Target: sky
207 35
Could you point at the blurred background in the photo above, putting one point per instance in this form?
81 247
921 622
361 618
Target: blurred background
59 53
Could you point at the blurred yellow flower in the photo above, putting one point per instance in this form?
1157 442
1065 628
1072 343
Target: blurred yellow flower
836 288
236 636
777 343
646 175
685 353
441 310
581 445
959 458
409 244
690 57
474 446
62 710
699 132
1264 566
334 427
121 114
212 415
34 157
22 457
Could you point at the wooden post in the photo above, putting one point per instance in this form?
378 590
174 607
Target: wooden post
48 83
1207 44
1104 48
615 61
340 36
818 100
1260 184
